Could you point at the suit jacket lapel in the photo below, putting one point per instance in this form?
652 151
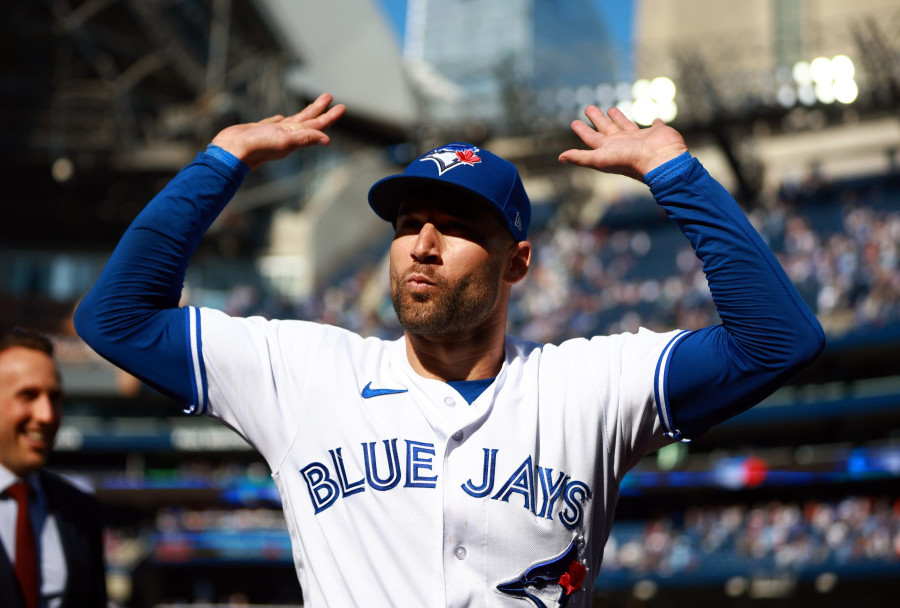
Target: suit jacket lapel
67 532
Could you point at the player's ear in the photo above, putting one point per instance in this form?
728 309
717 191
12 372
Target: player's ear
519 262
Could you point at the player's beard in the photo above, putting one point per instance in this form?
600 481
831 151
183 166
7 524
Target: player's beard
449 307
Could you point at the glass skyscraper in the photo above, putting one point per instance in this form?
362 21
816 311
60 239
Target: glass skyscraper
504 60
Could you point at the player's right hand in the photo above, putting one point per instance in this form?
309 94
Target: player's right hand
275 137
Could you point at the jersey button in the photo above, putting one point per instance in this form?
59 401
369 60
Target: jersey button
449 401
460 552
457 436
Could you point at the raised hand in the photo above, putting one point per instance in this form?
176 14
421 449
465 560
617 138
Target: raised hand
275 137
617 145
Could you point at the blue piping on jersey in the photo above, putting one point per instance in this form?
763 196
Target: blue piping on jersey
194 405
196 367
205 400
661 390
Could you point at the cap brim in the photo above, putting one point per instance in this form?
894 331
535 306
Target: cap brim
387 194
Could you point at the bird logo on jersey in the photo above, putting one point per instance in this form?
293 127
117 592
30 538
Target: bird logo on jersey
549 584
452 156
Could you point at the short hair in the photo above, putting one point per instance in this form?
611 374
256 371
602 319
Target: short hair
26 338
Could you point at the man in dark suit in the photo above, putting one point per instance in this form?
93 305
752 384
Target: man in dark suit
51 552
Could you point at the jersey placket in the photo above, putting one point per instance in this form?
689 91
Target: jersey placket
464 524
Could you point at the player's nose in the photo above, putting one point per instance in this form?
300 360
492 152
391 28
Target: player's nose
427 244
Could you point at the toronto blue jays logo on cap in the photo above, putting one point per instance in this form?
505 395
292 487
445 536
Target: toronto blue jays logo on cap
549 584
452 156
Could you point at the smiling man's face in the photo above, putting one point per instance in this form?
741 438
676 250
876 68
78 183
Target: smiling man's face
30 408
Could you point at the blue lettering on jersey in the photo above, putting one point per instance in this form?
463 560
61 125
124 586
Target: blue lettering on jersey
347 488
520 482
323 490
418 456
393 462
383 472
576 493
550 490
487 477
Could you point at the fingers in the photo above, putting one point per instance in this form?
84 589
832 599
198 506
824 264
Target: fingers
314 109
327 119
310 137
582 158
621 121
588 135
599 119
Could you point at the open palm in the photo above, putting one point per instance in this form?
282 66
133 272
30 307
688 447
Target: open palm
618 145
275 137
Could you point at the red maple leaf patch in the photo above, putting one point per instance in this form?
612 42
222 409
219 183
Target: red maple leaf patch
571 580
468 156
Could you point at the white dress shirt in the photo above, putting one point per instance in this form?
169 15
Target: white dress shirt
49 544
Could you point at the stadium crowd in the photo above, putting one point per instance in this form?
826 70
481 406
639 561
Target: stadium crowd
775 535
841 249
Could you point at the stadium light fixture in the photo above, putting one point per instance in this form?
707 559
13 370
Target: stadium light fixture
823 80
820 70
653 99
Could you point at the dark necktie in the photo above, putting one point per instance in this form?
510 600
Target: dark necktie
26 554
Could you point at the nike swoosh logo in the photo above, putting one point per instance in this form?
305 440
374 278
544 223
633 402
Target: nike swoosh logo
368 392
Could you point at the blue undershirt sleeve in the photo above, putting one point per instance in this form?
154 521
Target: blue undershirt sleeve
131 316
767 335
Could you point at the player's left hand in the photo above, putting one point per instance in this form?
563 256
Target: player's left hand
618 145
275 137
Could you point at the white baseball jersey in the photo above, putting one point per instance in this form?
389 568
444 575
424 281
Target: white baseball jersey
398 492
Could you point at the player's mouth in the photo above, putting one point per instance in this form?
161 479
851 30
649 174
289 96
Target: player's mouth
419 282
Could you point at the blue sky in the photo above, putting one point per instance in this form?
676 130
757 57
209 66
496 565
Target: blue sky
618 15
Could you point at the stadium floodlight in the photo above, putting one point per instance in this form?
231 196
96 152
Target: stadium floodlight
806 94
801 73
644 111
662 89
667 110
845 91
842 67
820 70
62 169
625 106
786 96
822 80
825 92
640 88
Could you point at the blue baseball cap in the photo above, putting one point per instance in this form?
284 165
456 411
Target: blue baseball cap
462 167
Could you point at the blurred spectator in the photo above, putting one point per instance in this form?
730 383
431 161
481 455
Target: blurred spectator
51 552
772 535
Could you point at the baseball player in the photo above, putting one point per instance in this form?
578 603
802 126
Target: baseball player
455 466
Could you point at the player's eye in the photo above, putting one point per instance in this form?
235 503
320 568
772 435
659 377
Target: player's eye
407 226
456 228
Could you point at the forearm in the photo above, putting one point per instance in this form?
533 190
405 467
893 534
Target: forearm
767 335
131 316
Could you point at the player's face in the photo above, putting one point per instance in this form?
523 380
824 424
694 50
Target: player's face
30 408
447 264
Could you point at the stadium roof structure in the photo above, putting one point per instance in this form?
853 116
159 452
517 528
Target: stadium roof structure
105 98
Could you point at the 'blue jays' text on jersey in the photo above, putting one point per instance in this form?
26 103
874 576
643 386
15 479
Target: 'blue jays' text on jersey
376 464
